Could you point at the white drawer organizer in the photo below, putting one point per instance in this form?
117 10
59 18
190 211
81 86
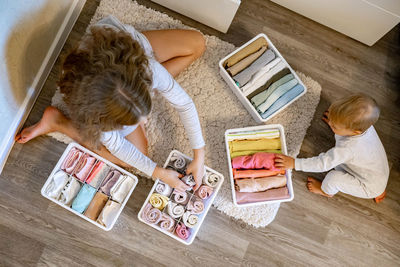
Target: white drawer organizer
207 202
110 167
286 69
253 130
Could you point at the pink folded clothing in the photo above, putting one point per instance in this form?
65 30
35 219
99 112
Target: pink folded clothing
151 215
237 174
182 232
272 194
252 185
260 160
84 166
71 160
167 223
195 206
180 197
110 180
98 173
204 191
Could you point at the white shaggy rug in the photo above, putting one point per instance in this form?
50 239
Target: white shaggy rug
218 108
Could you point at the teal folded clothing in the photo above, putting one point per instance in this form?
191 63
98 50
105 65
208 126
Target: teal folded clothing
283 100
83 199
275 95
259 98
245 75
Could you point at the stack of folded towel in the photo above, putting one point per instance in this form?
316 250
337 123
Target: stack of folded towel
174 211
255 175
253 67
89 186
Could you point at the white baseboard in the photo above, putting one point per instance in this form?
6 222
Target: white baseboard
39 80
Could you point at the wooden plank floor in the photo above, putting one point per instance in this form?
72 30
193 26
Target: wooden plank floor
310 230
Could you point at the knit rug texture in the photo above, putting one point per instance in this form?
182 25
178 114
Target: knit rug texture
219 109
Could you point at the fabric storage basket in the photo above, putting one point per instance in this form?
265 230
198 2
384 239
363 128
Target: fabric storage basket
89 186
149 213
262 80
272 131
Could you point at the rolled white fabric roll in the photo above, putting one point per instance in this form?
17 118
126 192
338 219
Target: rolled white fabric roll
175 210
57 183
211 179
190 220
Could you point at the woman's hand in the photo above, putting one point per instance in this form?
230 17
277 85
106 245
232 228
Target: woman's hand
196 167
284 162
171 177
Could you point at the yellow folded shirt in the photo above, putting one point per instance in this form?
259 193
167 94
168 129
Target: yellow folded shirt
259 144
251 152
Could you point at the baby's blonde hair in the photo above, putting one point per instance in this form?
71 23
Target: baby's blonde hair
356 112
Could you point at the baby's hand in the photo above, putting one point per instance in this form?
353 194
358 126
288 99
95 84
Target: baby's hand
284 162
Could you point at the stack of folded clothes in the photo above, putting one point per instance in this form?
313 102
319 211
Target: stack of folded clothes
89 186
258 71
255 176
178 212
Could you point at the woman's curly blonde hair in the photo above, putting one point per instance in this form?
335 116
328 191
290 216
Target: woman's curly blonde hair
106 83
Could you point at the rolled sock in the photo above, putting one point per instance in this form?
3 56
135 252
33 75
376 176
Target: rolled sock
109 213
251 185
283 100
151 215
264 75
251 152
98 173
189 180
167 223
56 185
260 160
84 167
190 220
110 180
163 189
259 98
245 51
70 191
211 179
276 94
245 75
71 160
175 210
178 162
82 200
204 191
242 64
180 197
182 232
272 194
195 206
121 188
158 201
237 174
259 144
96 206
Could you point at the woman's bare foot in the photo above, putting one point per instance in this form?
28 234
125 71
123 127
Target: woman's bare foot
314 186
52 117
380 198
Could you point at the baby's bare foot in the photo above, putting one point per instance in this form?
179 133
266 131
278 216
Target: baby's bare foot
48 123
314 186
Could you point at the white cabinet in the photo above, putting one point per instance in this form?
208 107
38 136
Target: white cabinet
364 20
217 14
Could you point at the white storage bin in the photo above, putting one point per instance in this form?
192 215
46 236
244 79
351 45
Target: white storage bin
109 167
207 202
288 173
245 99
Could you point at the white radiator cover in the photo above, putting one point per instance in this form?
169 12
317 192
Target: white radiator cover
217 14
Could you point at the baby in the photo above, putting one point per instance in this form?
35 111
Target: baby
358 162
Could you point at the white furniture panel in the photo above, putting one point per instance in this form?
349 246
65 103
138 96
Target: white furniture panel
365 21
217 14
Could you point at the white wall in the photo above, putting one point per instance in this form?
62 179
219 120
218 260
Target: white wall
32 32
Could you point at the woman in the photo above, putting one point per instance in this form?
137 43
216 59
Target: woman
107 82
